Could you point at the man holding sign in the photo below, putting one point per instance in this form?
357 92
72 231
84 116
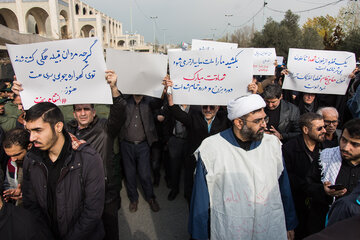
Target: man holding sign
100 134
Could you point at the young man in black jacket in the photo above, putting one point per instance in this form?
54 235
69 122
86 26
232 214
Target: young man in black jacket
63 185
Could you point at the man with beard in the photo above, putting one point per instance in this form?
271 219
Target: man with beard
335 175
240 177
298 154
63 185
16 144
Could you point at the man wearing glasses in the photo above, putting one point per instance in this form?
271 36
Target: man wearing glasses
299 153
331 120
200 124
241 178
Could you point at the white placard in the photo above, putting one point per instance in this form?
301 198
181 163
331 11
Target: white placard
175 50
264 60
319 71
211 45
62 72
279 60
138 73
210 77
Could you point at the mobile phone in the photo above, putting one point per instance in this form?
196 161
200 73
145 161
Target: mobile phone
337 187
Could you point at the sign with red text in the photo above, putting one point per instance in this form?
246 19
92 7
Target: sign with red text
210 77
264 61
62 72
319 71
138 73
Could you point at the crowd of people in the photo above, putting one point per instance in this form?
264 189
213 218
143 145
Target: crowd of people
275 164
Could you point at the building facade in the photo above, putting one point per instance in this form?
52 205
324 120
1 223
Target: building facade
65 19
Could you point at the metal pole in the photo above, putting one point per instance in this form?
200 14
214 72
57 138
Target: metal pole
131 21
213 37
154 18
227 34
164 29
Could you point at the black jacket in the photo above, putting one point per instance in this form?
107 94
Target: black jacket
197 126
100 134
147 118
347 229
345 207
80 192
289 117
16 223
298 164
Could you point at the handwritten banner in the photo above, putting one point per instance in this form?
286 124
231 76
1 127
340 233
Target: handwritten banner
211 45
138 73
279 60
61 72
264 59
316 71
210 77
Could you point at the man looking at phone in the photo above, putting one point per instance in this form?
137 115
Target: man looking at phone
298 154
339 166
283 116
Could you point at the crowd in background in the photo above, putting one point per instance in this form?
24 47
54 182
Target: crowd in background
141 137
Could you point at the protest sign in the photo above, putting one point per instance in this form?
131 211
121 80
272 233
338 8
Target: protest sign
61 72
319 71
138 73
210 77
211 45
264 60
279 60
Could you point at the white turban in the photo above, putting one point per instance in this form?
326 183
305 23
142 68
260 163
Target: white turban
244 105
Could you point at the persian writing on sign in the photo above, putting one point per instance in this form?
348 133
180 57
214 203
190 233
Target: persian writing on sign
316 71
210 77
138 73
61 72
264 60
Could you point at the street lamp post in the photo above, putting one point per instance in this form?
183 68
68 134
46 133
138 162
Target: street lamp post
164 29
227 34
154 18
213 35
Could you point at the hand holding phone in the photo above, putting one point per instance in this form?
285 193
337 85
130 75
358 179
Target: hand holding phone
337 187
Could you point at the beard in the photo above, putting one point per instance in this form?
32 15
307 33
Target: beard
348 157
250 135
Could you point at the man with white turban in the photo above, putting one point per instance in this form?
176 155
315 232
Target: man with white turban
241 178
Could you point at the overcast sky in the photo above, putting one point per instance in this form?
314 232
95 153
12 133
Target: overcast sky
202 19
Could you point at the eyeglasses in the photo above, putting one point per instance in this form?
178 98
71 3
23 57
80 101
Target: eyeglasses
86 109
320 128
259 120
206 107
327 122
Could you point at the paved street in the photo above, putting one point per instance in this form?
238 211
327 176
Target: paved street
169 223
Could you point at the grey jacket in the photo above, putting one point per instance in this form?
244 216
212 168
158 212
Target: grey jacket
289 120
147 118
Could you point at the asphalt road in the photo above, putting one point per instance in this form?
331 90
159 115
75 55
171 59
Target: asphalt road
169 223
